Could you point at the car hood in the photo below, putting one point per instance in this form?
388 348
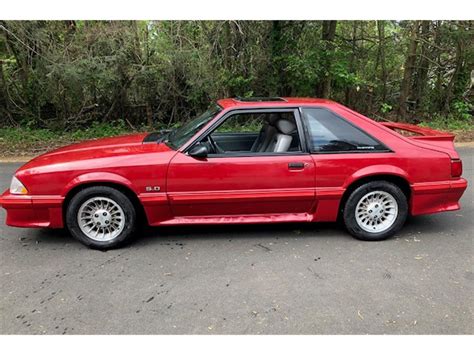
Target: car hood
100 144
99 149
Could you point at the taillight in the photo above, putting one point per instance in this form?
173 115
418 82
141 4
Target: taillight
456 167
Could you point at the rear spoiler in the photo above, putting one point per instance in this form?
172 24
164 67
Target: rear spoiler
422 134
417 132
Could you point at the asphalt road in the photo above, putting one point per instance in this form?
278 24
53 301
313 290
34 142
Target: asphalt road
273 279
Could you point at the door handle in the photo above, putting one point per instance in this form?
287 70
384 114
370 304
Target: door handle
296 166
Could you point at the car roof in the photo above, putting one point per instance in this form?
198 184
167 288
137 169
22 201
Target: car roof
272 102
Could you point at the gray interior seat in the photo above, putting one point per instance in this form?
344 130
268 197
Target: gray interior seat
281 141
267 134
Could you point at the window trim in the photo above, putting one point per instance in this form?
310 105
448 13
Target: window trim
300 126
308 134
218 112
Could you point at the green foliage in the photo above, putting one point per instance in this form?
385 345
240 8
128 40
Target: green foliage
17 135
385 108
463 110
449 122
14 135
98 130
89 77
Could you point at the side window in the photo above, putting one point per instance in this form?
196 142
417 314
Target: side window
255 132
330 133
242 123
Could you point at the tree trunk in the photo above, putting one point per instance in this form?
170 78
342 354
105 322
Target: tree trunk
439 68
149 115
459 60
405 89
19 58
349 89
328 34
383 74
4 94
276 57
423 67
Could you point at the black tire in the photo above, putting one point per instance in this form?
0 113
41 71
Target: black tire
116 196
349 212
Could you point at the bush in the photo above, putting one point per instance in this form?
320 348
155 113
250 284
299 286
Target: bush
449 122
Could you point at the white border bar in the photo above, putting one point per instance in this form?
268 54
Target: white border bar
236 9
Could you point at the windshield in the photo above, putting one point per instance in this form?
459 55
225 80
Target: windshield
181 135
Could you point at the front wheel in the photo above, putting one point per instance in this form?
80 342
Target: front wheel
101 217
375 211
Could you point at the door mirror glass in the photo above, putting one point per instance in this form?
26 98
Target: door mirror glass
199 151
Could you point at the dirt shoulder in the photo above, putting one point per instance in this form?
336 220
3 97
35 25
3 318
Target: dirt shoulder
464 137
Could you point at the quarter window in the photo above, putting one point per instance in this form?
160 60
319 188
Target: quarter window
330 133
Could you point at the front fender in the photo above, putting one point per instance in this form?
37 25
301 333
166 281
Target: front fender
98 177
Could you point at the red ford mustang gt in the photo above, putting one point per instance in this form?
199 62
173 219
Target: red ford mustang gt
259 160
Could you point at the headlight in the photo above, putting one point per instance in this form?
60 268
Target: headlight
17 188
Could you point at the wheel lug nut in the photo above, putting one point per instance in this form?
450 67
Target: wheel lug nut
105 213
107 222
96 215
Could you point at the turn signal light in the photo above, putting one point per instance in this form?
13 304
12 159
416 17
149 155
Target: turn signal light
17 188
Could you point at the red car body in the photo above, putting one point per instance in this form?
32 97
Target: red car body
244 189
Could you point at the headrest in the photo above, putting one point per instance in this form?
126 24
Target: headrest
272 118
285 126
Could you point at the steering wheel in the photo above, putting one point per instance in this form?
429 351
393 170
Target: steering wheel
214 145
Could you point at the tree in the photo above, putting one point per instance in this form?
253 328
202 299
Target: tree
406 85
423 67
381 58
327 35
71 74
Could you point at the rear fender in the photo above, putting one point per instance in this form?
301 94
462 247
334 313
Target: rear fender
328 207
375 170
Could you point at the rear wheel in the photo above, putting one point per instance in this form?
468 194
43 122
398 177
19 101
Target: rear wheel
101 217
375 211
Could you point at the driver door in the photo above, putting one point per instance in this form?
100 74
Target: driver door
235 179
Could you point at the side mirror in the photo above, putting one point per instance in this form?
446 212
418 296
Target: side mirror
199 151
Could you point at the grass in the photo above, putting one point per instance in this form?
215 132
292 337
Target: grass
21 134
21 141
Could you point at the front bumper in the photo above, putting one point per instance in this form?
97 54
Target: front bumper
33 211
436 197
